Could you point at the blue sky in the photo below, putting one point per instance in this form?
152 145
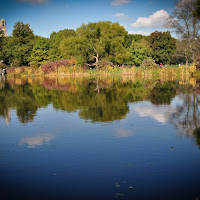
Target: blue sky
46 16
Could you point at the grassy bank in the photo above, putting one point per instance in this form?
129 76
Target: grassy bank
181 72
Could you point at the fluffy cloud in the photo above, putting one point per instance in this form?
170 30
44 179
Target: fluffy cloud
138 32
121 16
156 20
119 2
34 1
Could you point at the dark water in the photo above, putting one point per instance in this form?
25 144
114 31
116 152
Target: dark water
99 138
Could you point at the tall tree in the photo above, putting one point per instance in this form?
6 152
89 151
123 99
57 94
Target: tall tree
132 37
106 40
55 41
22 32
186 25
78 47
21 44
140 50
163 46
40 52
1 43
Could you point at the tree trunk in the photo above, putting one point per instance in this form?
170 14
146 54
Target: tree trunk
186 61
186 57
97 60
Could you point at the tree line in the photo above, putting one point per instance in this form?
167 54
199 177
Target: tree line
107 41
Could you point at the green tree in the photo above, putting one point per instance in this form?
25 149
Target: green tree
163 46
22 42
140 50
40 52
1 43
55 53
96 41
7 50
22 33
130 38
78 47
16 49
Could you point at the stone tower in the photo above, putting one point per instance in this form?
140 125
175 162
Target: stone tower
3 27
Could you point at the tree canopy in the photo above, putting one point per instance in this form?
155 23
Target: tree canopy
163 46
90 43
95 41
17 48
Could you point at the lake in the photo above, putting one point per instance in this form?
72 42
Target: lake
99 138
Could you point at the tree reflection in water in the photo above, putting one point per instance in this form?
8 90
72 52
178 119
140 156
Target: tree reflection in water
100 99
187 117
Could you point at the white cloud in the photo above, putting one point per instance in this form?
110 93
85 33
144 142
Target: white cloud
123 25
33 142
123 133
156 20
138 32
119 2
34 1
121 16
159 113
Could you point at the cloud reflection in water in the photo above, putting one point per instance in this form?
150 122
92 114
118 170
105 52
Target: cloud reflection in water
159 113
123 133
33 142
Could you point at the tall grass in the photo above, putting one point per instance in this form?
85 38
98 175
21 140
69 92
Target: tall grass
69 67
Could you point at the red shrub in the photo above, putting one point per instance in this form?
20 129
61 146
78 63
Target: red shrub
48 67
53 66
11 70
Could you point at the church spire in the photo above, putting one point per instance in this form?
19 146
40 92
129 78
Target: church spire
3 27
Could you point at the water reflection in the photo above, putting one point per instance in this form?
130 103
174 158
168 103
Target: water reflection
187 116
36 141
112 137
197 136
103 99
163 93
121 133
159 113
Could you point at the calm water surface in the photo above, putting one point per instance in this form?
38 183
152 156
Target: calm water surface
99 138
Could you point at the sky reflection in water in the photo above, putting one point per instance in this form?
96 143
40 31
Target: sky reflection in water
99 139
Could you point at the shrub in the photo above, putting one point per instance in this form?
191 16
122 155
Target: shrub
3 66
16 62
50 67
149 63
11 70
103 64
84 67
19 70
73 60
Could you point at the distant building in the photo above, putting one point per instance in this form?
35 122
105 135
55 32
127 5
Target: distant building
3 27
